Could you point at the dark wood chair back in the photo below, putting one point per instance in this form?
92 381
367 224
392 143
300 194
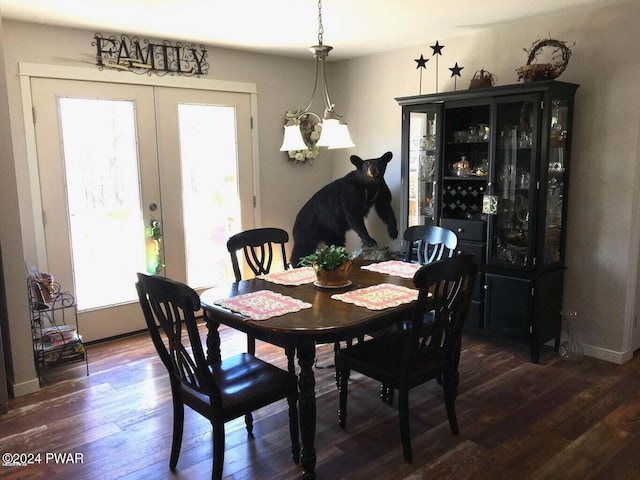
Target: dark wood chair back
445 288
431 243
169 309
257 246
404 360
221 391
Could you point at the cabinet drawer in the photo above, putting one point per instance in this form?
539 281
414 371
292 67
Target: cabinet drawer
466 229
478 250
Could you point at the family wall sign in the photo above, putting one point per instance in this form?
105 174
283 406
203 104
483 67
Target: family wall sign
144 57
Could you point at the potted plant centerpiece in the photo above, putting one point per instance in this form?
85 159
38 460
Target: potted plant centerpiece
332 265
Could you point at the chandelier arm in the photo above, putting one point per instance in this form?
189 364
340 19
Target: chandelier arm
325 87
313 93
329 111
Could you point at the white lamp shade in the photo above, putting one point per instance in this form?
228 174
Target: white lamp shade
334 134
329 132
293 138
342 138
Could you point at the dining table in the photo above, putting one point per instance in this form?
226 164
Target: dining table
289 309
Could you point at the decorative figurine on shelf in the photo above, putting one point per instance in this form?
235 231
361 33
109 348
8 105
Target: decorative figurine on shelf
461 168
481 170
43 289
557 61
482 79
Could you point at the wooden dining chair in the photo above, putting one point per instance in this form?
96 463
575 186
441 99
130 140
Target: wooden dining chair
430 243
259 247
220 392
425 244
406 359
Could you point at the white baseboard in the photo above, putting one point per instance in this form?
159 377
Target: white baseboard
603 353
25 388
608 355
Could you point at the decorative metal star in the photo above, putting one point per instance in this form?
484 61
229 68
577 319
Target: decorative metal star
422 62
437 49
456 71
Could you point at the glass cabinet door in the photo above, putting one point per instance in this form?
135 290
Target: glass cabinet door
555 181
423 127
513 187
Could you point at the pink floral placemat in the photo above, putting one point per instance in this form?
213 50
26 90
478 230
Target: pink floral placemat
396 268
294 276
379 297
262 304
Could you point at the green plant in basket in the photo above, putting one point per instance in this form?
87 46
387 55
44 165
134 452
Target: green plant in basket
327 258
332 265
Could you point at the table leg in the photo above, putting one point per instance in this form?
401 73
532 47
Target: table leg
307 409
213 340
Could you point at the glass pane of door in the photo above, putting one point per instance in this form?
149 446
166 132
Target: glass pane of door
555 181
513 172
207 180
210 194
103 196
98 175
422 167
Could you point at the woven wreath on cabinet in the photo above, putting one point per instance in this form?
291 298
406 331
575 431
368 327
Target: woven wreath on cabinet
560 55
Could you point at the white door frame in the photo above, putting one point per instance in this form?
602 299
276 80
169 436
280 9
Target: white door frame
26 71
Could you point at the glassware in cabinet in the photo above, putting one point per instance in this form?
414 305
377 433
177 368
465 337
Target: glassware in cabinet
465 162
555 181
422 167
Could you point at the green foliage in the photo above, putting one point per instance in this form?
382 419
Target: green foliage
327 258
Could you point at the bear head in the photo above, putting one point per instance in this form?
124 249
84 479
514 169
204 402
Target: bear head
372 170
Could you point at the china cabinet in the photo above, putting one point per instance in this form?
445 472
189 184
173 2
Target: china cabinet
492 164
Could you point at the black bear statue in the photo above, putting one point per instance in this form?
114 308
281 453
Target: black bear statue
342 205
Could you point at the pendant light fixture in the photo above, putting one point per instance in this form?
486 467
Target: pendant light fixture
334 133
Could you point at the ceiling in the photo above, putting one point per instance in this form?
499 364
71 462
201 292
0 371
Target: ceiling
287 27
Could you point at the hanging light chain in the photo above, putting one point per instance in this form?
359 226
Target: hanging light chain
320 26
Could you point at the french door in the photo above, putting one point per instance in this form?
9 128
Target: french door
139 178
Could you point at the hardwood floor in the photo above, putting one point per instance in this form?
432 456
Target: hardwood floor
554 420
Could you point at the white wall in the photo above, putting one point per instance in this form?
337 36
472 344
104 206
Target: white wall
603 234
16 331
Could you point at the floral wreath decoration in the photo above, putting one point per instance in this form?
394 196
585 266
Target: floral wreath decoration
310 128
